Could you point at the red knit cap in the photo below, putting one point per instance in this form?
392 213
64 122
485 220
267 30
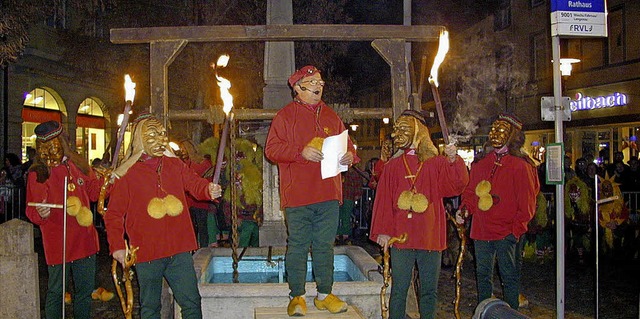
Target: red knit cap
302 73
48 130
511 119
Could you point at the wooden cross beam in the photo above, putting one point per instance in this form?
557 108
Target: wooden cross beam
268 114
278 32
167 42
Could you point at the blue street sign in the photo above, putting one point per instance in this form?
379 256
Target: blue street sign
581 5
579 18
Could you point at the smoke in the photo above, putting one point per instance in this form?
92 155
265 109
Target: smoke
485 79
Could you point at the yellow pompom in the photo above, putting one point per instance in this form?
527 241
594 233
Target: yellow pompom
484 187
419 203
106 295
485 202
85 217
73 205
95 295
172 205
316 143
67 298
155 208
404 201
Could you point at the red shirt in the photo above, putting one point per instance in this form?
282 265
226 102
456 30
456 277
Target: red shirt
199 169
81 241
352 185
293 127
515 186
127 211
437 179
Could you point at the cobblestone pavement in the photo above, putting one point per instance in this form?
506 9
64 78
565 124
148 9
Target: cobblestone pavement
619 288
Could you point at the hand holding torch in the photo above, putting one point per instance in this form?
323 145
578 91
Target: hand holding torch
227 99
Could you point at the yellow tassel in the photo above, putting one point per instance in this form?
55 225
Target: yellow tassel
316 143
419 203
172 205
484 187
485 202
155 208
404 201
73 205
85 217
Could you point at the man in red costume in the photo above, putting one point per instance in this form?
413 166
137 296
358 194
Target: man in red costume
148 203
501 197
46 177
311 204
199 209
409 199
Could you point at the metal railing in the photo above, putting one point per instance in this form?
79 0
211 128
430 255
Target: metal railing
11 203
363 208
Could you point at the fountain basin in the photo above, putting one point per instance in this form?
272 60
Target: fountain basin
238 300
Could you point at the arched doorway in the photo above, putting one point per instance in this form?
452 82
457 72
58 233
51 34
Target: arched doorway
40 105
90 132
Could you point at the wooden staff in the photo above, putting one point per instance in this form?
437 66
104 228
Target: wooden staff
126 302
458 272
130 92
386 274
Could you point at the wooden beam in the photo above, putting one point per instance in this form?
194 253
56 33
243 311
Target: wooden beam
393 51
278 32
268 114
161 56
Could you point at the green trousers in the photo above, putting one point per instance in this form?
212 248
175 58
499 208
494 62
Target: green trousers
249 234
180 274
344 226
402 262
212 228
311 227
84 280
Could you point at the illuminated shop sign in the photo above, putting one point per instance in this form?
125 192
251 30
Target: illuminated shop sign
585 103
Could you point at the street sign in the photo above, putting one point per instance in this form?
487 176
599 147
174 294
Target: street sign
547 110
554 164
579 18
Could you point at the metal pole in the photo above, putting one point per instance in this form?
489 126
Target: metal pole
596 233
64 243
558 110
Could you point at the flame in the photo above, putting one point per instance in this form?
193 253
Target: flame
130 88
224 85
443 48
223 60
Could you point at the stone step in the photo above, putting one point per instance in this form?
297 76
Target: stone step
312 313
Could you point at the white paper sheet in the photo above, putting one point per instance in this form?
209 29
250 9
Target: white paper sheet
333 148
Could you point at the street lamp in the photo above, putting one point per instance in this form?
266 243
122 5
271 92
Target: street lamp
565 65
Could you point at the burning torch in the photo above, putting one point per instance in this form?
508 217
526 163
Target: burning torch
443 48
227 100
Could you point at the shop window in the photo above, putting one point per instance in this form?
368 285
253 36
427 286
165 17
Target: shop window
41 98
40 105
90 132
90 107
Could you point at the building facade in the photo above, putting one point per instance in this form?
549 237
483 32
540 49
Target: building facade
603 86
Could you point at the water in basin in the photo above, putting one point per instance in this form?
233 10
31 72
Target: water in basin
256 269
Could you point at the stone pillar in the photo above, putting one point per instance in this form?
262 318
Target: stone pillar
279 63
20 293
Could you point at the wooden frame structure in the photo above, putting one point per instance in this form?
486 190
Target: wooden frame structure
167 42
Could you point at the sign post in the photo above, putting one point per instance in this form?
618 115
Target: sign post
569 18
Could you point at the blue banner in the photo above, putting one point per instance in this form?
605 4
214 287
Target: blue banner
578 5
